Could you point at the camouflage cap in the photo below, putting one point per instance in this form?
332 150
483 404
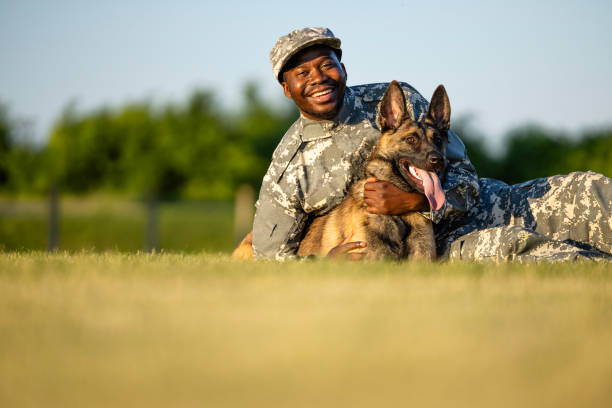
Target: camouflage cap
289 45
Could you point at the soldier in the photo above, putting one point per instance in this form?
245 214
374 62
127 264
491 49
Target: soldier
323 152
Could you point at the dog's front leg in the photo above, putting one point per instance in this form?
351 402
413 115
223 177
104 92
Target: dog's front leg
420 241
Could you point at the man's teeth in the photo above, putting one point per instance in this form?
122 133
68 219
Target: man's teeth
413 172
317 94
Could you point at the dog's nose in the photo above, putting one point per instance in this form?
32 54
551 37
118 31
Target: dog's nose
435 160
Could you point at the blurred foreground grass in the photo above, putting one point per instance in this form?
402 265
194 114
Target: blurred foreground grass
170 330
103 223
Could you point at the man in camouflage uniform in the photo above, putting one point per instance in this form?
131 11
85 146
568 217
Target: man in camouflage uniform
324 151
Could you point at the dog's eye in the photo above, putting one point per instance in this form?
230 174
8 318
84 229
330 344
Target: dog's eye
410 139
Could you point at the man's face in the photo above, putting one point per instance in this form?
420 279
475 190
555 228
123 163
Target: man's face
315 80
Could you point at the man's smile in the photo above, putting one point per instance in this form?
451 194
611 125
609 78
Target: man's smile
323 95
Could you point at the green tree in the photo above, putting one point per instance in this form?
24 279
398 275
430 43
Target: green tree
191 149
21 160
82 150
257 129
592 152
533 151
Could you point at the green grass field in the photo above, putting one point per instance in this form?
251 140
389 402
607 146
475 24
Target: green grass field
199 330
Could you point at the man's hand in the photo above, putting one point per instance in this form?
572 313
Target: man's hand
344 247
384 198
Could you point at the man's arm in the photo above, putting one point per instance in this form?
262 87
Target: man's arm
280 217
277 226
382 197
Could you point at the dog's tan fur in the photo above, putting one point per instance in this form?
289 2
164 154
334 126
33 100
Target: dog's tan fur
402 141
244 250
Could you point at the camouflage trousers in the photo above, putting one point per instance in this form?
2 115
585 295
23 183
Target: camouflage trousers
558 218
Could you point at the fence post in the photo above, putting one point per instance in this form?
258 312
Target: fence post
243 212
53 226
151 223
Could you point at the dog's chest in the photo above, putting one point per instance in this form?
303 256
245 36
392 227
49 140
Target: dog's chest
387 236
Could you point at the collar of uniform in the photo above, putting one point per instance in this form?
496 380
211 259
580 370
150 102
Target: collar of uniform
321 129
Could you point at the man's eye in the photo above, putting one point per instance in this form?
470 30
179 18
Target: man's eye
301 73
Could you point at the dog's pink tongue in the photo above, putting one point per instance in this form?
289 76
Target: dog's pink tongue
432 187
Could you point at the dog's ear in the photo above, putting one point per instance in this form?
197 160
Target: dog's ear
392 108
439 110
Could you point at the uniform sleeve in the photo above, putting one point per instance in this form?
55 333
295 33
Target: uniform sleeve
279 215
278 224
460 184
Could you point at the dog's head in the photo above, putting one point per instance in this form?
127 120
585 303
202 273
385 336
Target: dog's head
416 150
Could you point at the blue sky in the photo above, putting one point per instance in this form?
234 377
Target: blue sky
507 63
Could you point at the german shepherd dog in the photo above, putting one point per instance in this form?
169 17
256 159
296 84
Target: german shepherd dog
412 156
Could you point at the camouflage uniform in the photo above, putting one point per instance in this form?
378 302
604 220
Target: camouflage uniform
554 218
316 162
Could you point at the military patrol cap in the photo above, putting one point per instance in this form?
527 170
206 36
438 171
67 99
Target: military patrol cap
289 45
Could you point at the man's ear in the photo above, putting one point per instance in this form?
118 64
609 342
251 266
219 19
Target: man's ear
392 108
344 69
439 110
286 89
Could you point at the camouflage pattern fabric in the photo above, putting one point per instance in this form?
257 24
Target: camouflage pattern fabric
557 218
316 162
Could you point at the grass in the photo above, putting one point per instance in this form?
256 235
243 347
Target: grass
100 224
183 330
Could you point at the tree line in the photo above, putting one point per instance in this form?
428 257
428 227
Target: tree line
532 151
197 150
